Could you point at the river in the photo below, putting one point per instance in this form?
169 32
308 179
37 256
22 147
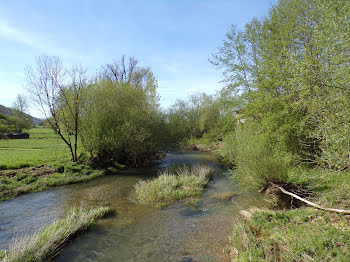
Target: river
179 232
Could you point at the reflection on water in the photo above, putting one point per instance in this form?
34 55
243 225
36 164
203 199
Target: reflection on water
135 232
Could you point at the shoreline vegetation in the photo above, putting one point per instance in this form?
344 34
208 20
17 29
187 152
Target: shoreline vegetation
301 233
174 184
45 244
40 163
18 182
281 120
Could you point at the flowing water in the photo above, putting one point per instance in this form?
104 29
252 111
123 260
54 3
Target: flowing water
179 232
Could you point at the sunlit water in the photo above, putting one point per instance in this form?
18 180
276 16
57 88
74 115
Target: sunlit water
180 232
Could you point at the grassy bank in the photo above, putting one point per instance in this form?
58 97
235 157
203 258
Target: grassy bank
38 163
170 186
27 180
303 234
46 244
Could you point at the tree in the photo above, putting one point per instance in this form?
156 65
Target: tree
58 93
121 124
132 74
291 68
20 119
21 105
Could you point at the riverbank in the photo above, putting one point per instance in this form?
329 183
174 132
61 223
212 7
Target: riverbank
200 144
49 241
290 233
299 234
16 182
39 163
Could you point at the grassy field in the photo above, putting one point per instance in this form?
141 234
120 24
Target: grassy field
38 163
48 242
303 234
43 147
173 185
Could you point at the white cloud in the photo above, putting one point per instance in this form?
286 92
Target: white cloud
13 34
32 39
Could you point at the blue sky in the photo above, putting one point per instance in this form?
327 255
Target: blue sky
175 38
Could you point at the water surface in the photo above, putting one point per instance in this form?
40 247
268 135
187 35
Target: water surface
179 232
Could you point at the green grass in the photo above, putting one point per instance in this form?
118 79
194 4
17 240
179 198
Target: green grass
46 244
173 185
43 150
27 183
304 234
43 147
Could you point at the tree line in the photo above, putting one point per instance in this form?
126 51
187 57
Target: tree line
18 118
288 75
286 97
115 115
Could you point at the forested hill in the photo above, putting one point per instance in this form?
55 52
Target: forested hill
8 111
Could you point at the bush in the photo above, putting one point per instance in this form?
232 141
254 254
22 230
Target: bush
122 124
256 160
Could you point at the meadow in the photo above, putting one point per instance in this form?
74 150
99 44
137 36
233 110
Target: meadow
38 163
44 147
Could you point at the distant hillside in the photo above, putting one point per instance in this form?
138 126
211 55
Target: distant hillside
8 111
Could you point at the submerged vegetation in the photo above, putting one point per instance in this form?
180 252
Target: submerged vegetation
48 242
182 182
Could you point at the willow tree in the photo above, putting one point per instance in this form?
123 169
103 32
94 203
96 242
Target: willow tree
121 120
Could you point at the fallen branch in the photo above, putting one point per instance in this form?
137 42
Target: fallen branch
343 211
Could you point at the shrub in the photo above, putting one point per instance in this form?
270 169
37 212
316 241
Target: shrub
256 159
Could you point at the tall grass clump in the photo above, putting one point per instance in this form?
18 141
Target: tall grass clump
256 159
174 184
48 242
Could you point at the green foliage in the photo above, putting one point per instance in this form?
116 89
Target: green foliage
304 234
121 123
291 69
171 185
202 116
15 123
48 242
256 159
44 150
